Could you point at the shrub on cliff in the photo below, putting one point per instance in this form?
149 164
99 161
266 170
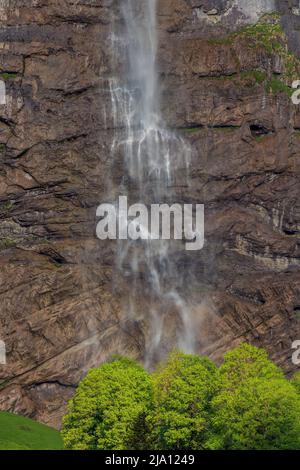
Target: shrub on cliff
108 407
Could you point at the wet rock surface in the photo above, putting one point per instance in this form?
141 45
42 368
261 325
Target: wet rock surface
60 302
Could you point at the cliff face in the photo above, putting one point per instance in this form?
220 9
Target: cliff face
226 89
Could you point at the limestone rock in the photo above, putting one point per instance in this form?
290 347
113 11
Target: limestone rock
60 307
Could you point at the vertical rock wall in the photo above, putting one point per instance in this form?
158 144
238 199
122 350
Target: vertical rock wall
60 304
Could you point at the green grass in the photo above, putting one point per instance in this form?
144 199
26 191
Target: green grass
19 433
193 130
255 75
6 243
8 75
6 206
277 86
268 36
261 138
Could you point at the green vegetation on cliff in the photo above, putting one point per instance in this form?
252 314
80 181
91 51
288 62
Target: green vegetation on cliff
19 433
8 75
267 35
187 404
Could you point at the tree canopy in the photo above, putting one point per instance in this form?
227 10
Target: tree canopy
183 388
107 405
187 403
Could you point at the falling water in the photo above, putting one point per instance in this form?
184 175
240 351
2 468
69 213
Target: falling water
153 157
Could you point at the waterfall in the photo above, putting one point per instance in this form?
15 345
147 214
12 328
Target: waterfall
152 157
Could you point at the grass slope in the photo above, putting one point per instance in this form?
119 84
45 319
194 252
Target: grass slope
19 433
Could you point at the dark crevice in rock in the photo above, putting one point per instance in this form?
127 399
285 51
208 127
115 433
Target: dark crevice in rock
52 382
78 92
255 298
297 311
258 130
7 122
53 256
290 231
198 127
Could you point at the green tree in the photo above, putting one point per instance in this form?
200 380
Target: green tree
296 382
256 407
247 362
109 407
187 404
183 388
